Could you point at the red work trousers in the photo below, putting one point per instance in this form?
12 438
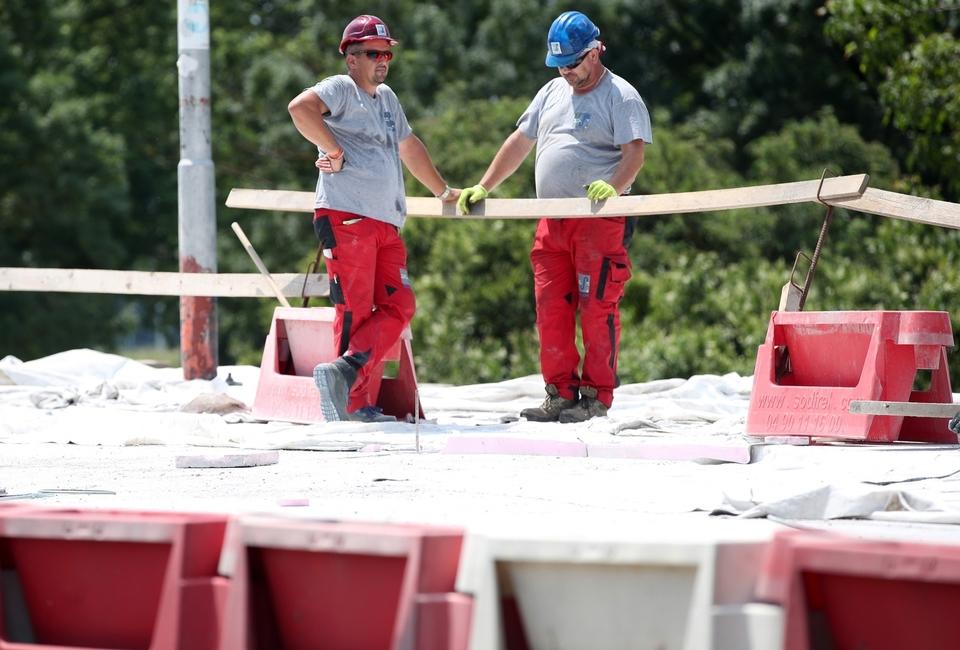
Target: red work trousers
366 262
580 264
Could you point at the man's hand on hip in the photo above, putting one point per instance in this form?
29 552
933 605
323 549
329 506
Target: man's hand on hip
330 163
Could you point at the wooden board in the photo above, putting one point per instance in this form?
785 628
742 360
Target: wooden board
909 409
840 188
904 206
146 283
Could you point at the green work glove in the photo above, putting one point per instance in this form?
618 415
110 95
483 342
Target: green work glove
600 190
470 196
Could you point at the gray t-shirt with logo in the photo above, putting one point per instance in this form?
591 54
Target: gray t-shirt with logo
369 130
579 136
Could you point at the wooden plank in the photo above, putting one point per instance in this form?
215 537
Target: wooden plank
146 283
834 189
903 206
909 409
279 200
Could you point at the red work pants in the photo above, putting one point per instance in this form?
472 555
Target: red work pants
580 264
367 265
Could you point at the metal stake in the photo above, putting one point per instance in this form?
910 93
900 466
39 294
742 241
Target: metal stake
416 415
812 261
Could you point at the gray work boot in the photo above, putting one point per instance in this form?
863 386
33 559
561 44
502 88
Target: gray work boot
588 407
334 381
371 414
550 410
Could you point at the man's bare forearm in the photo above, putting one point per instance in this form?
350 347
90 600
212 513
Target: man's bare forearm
307 111
630 165
416 158
508 159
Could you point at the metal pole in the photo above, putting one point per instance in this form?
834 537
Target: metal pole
197 223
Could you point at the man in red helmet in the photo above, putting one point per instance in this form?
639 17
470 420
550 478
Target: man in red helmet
590 128
362 136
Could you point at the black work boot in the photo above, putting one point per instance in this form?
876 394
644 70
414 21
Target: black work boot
334 381
371 414
550 410
588 407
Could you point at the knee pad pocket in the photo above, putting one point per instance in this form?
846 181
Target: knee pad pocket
614 273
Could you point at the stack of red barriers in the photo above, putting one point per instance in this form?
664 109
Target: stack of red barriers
72 579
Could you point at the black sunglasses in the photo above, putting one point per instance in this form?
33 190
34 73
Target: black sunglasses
576 63
375 55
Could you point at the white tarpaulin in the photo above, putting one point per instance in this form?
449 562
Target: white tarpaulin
85 399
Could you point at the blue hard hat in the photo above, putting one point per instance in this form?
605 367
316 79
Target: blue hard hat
570 34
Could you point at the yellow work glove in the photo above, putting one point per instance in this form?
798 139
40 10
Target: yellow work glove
600 190
469 196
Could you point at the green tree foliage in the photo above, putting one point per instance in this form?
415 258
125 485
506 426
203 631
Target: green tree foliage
66 197
472 277
910 55
706 283
742 92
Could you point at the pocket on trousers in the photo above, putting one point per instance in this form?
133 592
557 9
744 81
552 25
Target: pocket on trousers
324 230
336 291
614 273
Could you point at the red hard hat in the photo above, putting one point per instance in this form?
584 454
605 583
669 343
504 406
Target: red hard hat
365 28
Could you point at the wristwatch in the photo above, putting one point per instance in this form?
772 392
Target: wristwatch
445 193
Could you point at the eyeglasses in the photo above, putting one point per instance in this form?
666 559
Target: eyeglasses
375 55
576 63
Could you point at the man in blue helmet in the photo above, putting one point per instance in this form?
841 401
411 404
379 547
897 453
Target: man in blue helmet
590 128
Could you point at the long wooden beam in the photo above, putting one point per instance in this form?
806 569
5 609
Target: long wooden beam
146 283
839 188
903 206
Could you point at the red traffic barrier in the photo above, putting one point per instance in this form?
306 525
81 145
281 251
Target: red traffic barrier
302 584
301 338
813 364
840 592
101 579
443 621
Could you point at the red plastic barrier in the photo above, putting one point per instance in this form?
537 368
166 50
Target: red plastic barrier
844 593
301 338
813 364
300 585
99 579
443 621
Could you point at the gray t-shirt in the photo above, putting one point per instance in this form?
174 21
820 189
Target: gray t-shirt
369 130
579 136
